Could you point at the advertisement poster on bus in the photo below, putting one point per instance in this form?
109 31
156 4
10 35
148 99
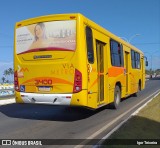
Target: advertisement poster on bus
55 35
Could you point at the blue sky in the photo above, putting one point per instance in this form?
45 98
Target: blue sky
124 18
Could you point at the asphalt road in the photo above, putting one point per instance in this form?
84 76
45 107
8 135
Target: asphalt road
27 121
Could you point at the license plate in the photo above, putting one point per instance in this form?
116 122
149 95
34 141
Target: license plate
44 88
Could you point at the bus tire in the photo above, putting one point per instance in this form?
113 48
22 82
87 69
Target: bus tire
117 97
139 86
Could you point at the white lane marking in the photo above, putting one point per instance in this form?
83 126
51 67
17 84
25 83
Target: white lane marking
112 122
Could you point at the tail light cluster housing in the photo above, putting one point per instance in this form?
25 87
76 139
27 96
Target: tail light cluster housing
16 83
77 81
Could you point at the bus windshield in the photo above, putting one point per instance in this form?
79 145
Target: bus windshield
43 36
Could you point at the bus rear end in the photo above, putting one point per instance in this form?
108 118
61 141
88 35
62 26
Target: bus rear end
46 67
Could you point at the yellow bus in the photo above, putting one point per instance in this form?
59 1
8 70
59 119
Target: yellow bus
67 59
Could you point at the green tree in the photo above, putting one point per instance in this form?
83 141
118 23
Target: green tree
157 71
3 79
10 72
6 73
147 72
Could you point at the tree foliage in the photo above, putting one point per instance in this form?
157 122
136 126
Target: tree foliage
7 73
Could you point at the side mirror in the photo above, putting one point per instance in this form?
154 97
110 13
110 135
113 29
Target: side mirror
146 62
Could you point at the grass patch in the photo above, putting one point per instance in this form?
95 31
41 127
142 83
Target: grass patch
144 125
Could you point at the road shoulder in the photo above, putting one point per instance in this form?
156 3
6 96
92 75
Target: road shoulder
141 126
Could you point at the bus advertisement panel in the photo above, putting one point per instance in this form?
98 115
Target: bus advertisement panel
54 35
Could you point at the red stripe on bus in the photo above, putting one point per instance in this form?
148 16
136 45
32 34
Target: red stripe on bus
46 49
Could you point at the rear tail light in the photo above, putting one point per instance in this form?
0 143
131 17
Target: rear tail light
16 84
77 81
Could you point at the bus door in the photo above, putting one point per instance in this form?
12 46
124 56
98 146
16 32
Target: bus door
127 71
100 46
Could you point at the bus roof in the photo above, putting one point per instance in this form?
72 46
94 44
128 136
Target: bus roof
74 16
111 35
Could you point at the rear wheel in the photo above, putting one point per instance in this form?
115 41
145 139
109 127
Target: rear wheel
117 97
139 86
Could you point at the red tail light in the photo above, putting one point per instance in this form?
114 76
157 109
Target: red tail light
77 81
16 84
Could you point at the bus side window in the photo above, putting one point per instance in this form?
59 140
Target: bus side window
135 57
89 40
116 54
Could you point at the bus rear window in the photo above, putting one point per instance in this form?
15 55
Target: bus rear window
55 35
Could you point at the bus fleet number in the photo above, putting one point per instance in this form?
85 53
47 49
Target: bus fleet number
43 82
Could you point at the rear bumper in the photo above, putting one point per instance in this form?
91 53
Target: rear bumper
51 99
